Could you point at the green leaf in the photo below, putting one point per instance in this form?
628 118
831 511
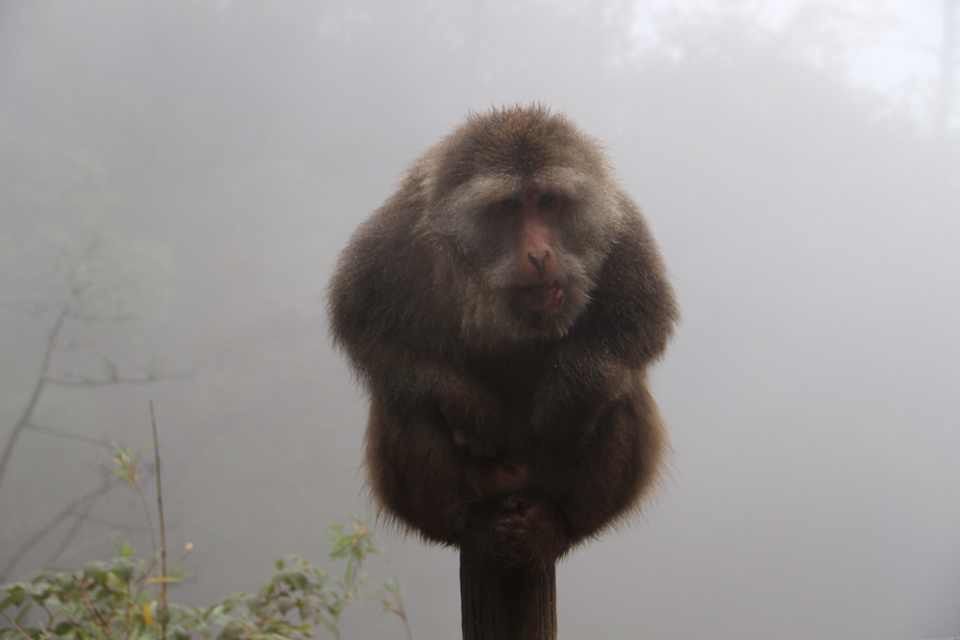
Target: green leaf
64 628
16 594
123 571
115 583
96 574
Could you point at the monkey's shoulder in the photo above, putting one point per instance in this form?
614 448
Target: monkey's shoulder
386 293
633 310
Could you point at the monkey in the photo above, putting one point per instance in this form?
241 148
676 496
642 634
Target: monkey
501 309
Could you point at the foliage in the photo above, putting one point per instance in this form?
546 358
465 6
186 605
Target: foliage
116 599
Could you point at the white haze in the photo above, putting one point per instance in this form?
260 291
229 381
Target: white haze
196 167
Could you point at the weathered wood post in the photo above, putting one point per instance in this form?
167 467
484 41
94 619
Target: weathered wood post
497 603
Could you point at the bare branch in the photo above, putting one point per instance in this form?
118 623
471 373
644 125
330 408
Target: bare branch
38 386
16 624
146 514
67 512
90 382
60 433
96 613
163 528
79 519
110 524
116 318
30 308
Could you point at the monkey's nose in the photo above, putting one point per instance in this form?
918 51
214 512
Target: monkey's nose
539 262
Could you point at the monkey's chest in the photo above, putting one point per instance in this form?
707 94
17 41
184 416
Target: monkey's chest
514 379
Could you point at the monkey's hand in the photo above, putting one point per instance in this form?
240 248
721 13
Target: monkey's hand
515 530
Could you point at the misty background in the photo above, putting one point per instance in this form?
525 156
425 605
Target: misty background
177 178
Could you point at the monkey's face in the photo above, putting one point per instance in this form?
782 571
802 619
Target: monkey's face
524 212
529 251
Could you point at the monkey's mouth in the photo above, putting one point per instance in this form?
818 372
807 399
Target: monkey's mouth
542 298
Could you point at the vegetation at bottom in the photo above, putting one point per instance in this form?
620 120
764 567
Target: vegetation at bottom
126 597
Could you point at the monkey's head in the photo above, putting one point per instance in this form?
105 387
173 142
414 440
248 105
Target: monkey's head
522 208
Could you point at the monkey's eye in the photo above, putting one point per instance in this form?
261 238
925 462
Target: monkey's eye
510 205
548 201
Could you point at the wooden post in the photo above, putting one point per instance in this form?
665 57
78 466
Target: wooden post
496 603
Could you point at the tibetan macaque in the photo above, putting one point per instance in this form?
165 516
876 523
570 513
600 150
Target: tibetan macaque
502 308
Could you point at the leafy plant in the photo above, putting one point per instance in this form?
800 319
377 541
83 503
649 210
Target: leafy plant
116 599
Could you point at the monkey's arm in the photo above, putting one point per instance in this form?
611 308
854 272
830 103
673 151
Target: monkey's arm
630 318
414 382
604 478
572 492
420 474
385 314
415 471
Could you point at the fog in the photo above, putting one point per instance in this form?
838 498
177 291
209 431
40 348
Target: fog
176 179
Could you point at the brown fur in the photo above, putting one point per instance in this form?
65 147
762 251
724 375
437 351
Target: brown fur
519 431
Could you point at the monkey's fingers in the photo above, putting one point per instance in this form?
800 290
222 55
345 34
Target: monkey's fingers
515 530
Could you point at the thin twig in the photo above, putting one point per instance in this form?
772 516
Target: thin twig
38 386
68 511
46 609
96 613
397 608
60 433
16 624
79 519
146 514
110 524
115 318
90 382
163 526
141 581
129 620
